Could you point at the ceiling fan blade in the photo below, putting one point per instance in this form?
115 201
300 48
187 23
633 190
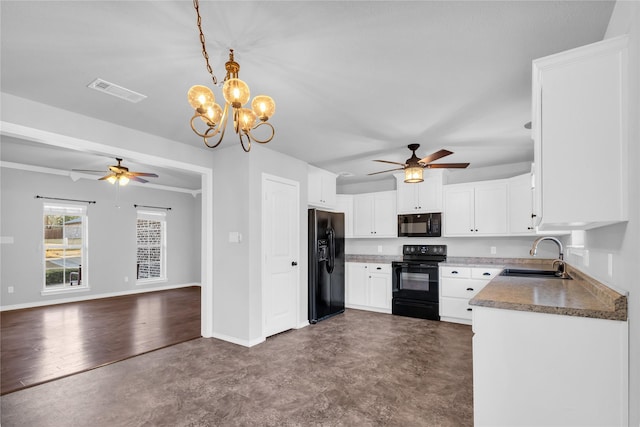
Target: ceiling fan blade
447 166
435 156
393 163
106 177
135 178
153 175
390 170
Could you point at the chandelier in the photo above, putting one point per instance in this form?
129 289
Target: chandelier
236 94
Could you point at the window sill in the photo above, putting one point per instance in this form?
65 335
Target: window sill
151 281
66 290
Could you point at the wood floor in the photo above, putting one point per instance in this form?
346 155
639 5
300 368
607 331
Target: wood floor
46 343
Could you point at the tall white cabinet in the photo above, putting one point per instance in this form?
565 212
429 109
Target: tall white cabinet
580 114
321 188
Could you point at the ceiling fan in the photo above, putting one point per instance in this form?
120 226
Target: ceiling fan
413 166
120 174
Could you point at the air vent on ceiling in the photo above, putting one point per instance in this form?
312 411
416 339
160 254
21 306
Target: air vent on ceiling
115 90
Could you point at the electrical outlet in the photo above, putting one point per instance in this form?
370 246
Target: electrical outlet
379 248
10 289
493 250
126 279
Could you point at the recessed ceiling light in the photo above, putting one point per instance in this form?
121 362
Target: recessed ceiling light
345 174
115 90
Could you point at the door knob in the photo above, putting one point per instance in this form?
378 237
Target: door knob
294 263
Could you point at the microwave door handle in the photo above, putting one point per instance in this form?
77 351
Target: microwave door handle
429 225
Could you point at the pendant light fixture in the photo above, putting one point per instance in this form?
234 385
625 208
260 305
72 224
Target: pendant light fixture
236 94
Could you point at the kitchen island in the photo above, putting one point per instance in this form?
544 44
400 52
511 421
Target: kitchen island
549 351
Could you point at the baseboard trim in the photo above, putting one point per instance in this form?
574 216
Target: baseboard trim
90 297
238 341
302 324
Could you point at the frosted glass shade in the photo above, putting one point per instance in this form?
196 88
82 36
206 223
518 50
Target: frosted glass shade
413 175
247 118
263 106
123 180
236 92
200 97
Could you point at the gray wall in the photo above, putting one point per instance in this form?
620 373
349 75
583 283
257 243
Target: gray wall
622 241
111 235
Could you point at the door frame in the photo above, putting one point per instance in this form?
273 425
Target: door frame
263 267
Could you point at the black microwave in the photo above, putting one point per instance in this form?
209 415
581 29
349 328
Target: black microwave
420 225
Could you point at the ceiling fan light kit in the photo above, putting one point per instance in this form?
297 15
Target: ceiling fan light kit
121 174
414 166
236 93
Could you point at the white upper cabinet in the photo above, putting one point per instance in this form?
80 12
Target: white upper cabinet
375 215
521 205
423 197
473 209
579 128
322 188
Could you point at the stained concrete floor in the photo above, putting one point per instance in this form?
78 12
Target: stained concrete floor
355 369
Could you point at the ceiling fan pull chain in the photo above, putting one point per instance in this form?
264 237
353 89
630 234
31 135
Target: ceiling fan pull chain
196 5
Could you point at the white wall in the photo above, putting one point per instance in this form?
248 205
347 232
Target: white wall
111 235
506 247
622 241
237 298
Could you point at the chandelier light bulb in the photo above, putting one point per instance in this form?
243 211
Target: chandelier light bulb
263 106
236 92
247 118
200 98
213 115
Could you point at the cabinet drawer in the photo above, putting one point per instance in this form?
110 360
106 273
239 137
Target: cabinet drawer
464 272
461 288
379 268
455 307
485 273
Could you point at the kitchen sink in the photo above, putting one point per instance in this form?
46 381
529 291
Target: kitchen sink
543 274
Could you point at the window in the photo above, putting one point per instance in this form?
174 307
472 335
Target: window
65 246
151 246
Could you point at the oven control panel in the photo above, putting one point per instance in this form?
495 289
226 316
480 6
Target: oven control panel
422 250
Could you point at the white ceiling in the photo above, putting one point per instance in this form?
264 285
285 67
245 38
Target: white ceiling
353 80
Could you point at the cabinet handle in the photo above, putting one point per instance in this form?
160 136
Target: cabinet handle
469 289
454 272
469 309
486 274
533 215
378 268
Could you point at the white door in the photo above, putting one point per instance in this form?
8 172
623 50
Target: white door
281 253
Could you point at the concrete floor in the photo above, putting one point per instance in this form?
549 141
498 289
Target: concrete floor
356 369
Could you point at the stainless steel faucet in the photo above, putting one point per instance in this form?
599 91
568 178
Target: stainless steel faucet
560 261
534 248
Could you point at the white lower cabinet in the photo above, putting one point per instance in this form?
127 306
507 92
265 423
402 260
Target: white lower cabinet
368 286
539 369
457 286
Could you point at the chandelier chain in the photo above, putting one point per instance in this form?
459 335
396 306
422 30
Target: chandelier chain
196 5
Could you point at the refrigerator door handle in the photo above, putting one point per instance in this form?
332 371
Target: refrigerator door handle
332 250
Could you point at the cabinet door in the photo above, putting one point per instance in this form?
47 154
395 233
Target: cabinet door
429 192
314 187
491 208
521 205
385 214
379 290
459 211
328 188
363 215
356 284
407 199
580 101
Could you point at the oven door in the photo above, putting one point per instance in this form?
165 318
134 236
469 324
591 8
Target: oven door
415 280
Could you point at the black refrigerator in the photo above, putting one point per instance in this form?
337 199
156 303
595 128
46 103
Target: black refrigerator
326 264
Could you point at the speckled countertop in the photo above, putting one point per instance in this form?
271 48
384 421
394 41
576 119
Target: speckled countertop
583 296
376 259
